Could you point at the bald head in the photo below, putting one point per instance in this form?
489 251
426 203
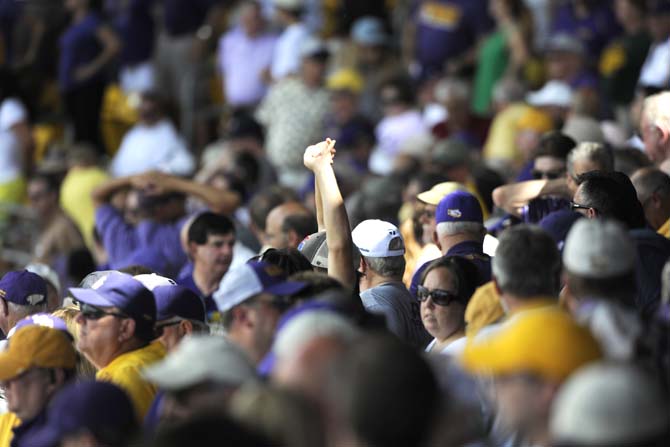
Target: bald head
653 191
288 224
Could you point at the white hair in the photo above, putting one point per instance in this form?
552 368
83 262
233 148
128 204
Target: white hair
595 152
474 229
310 325
657 110
452 87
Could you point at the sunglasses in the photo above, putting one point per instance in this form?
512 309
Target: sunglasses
95 313
548 175
576 206
439 296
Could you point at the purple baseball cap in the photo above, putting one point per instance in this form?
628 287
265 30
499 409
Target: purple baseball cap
250 279
459 206
41 319
101 408
24 288
178 301
122 291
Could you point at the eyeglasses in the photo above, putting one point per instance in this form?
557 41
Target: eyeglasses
95 313
576 206
439 296
548 175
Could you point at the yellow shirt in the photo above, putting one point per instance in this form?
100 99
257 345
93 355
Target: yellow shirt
484 308
501 141
125 371
665 229
75 198
7 423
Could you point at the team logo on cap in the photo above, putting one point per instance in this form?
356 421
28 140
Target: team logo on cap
96 285
35 298
455 213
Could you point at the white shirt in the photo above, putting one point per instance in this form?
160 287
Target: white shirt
391 133
286 58
12 112
656 69
241 60
454 348
157 147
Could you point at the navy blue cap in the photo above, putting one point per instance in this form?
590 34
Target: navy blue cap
123 292
24 288
459 206
558 224
101 408
178 301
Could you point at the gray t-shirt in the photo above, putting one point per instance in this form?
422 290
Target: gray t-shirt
402 313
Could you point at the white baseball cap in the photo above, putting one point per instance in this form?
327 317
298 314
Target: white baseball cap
553 93
152 280
247 280
200 358
598 248
373 238
608 404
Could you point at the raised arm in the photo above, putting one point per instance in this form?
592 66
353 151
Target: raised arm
513 197
217 200
318 159
104 192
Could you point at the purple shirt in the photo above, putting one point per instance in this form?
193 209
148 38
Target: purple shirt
596 29
188 282
446 29
122 240
78 46
241 59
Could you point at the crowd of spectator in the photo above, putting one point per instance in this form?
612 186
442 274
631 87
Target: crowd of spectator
334 223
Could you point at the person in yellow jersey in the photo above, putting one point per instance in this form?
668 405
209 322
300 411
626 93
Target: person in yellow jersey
116 334
37 362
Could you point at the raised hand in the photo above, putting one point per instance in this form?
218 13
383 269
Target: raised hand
320 154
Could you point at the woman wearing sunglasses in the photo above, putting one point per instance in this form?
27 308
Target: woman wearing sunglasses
446 287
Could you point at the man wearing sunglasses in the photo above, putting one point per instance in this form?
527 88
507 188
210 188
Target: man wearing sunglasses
180 312
251 299
116 333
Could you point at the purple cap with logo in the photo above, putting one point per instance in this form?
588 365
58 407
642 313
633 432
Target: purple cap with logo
250 279
459 206
101 408
24 288
123 292
178 301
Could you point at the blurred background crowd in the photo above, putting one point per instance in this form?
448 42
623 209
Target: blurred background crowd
504 166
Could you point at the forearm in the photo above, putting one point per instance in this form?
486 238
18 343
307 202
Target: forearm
338 232
513 197
218 200
104 192
319 206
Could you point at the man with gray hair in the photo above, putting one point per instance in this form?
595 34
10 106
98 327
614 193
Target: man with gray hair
459 231
655 127
526 268
585 157
381 268
653 191
600 284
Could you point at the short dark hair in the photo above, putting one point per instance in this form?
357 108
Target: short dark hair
527 263
302 224
555 144
265 201
290 260
209 223
612 195
404 92
464 271
620 288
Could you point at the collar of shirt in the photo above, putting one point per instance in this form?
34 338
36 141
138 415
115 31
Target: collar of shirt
665 229
466 248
